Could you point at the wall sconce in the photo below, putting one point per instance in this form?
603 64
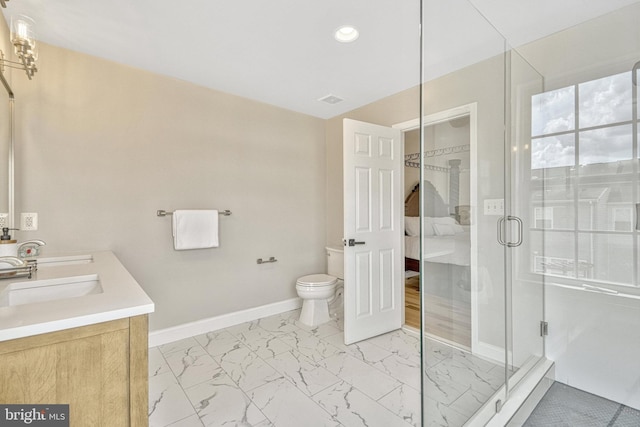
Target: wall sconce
24 43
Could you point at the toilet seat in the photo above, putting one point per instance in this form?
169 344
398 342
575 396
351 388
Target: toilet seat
317 280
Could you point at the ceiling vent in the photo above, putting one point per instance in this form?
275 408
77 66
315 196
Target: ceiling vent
331 99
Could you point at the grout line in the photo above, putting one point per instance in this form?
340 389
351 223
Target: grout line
615 416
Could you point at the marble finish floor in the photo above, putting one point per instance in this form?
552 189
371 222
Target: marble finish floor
276 372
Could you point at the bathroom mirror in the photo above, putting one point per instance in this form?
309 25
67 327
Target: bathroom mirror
6 152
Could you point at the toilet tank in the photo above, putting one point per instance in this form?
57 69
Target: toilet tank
335 262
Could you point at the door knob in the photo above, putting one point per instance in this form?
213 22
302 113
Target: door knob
352 242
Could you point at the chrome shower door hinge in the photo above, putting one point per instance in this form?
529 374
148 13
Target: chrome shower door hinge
544 328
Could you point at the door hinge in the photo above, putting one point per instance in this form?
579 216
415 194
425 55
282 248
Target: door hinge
544 328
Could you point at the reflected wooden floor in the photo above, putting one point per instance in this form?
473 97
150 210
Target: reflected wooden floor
444 318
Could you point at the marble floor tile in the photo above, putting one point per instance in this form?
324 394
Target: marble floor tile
302 372
403 370
263 343
438 414
192 365
480 380
399 342
353 408
243 327
364 377
167 401
245 367
177 345
192 421
275 372
435 352
217 342
472 362
286 406
157 364
442 389
280 323
363 350
309 345
219 402
469 402
321 331
404 401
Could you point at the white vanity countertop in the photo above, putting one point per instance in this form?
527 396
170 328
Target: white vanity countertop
121 297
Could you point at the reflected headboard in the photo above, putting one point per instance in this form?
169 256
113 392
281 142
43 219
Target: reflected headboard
412 202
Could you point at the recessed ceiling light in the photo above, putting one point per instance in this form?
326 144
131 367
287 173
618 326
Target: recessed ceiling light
346 34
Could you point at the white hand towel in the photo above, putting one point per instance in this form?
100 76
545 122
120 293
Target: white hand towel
195 229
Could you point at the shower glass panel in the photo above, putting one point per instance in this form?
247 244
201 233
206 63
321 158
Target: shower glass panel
463 293
527 209
583 207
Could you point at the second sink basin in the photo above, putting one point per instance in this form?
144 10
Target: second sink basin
29 292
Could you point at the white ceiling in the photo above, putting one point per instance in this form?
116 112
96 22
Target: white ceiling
282 52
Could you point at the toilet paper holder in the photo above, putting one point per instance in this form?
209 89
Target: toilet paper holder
262 261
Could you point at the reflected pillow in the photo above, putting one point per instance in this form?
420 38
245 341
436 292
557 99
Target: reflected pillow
443 230
447 229
412 225
440 220
428 230
457 228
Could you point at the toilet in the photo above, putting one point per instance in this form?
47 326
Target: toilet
316 290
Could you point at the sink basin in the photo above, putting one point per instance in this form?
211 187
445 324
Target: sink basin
29 292
59 261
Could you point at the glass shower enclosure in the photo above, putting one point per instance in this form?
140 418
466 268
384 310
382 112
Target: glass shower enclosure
482 314
530 202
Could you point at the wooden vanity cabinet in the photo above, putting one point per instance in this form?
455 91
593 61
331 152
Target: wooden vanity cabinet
100 370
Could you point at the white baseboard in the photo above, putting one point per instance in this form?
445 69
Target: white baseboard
175 333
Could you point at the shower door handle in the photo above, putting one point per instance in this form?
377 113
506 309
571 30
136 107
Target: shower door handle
501 223
638 216
499 231
519 222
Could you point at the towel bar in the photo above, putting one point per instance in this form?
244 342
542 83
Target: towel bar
271 259
161 212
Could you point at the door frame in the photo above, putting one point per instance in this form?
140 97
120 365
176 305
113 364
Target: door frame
470 110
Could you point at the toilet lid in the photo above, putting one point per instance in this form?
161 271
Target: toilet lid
317 280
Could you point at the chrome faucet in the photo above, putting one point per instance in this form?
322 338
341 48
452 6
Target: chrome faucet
13 261
16 267
24 253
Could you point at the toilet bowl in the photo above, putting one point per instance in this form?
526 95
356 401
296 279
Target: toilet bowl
316 290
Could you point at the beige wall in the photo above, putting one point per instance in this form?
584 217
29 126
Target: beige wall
103 146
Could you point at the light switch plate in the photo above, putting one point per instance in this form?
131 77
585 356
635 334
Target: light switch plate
494 207
28 221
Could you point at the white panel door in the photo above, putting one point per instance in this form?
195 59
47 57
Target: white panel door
373 227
